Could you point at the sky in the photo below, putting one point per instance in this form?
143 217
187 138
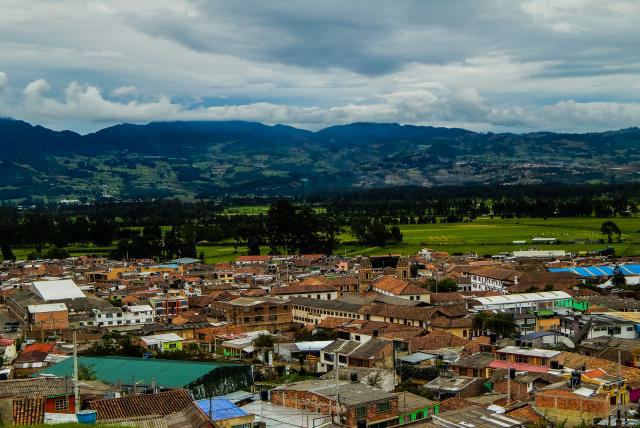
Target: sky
484 65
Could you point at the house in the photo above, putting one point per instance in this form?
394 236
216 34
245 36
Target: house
350 353
48 316
162 342
355 403
311 291
607 347
32 358
474 365
597 325
241 344
410 315
450 385
119 317
314 311
492 279
167 306
384 379
402 288
30 399
200 379
584 399
343 283
171 408
250 260
257 313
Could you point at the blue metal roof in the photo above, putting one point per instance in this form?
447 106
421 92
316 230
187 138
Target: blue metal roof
185 261
591 271
220 409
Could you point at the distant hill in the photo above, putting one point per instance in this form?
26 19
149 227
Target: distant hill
208 159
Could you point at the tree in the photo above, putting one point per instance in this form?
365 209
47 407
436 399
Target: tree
7 254
609 228
86 372
618 279
263 341
57 253
396 234
502 324
202 257
446 285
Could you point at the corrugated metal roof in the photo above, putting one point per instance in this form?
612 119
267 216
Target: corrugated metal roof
57 290
523 298
168 373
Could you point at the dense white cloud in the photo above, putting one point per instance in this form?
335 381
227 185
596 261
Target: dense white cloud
491 65
435 105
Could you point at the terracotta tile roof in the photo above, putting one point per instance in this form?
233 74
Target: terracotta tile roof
435 340
444 322
303 288
162 403
330 280
413 312
253 258
527 415
500 274
35 387
444 298
28 411
42 347
573 361
455 403
397 286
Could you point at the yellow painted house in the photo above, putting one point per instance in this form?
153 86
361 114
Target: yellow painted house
162 342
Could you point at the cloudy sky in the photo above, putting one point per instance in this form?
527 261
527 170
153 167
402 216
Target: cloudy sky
565 65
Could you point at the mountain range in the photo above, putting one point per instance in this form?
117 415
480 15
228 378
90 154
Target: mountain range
209 159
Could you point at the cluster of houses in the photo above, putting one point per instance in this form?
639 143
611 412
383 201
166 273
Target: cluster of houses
356 342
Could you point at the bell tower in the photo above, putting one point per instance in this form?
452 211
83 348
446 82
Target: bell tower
365 273
403 270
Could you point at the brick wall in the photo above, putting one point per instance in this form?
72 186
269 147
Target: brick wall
561 405
518 390
316 403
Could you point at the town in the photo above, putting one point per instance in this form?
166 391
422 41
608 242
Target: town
539 338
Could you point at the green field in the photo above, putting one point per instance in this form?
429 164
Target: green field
484 235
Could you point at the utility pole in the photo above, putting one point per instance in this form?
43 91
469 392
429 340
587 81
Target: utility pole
619 398
508 380
76 393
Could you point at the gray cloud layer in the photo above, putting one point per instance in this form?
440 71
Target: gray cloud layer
492 65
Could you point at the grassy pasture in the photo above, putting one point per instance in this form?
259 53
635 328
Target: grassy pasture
484 235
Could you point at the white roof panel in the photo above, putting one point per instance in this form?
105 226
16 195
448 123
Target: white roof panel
524 297
47 307
57 290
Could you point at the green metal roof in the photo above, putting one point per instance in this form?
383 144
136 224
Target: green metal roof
168 373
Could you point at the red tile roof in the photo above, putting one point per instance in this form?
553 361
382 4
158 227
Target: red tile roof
162 403
397 286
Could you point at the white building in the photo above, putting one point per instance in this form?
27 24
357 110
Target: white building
59 289
492 279
520 302
124 316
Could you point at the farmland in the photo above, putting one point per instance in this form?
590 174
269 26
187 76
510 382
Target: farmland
484 235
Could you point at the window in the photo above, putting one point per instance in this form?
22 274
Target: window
241 426
273 317
357 338
361 412
342 359
522 359
172 346
464 333
384 407
61 403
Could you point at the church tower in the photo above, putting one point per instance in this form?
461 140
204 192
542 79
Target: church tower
403 271
365 273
